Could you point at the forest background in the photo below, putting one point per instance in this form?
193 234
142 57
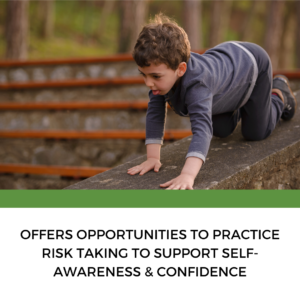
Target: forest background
81 28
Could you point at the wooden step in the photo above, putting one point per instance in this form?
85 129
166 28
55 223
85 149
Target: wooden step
70 61
100 82
138 105
72 83
67 171
75 105
103 134
289 74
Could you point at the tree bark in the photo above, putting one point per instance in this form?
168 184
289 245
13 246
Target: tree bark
225 19
193 22
106 11
297 34
287 42
220 16
132 18
16 29
46 11
140 13
247 26
273 32
215 23
126 17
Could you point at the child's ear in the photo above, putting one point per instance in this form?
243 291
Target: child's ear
181 69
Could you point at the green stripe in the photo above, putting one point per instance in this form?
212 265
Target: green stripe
149 198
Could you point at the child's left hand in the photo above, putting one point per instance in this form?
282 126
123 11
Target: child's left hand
182 182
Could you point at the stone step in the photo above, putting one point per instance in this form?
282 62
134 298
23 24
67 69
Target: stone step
88 120
79 152
232 163
120 65
53 70
115 89
36 182
75 152
131 92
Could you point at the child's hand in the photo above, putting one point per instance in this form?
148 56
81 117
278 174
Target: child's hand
182 182
149 164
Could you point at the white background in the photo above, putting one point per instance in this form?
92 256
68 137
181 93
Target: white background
272 274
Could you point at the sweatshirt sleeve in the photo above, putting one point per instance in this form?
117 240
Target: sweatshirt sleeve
199 104
155 119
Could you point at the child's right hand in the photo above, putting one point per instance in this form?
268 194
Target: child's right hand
149 164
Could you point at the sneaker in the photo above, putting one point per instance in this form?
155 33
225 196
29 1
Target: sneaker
281 83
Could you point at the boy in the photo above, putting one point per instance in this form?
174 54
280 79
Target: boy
230 81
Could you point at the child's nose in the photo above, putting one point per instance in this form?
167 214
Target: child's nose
148 82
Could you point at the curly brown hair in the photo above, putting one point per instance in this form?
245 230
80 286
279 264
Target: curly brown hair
162 41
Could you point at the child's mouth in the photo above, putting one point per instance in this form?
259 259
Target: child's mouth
155 92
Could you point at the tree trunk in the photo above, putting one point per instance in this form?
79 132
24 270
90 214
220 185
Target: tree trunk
220 16
215 23
106 11
192 22
140 13
273 32
225 18
132 18
126 17
16 29
247 26
287 41
297 34
46 11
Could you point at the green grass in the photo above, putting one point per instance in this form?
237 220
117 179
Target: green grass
58 47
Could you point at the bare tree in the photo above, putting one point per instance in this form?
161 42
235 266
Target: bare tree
215 23
225 18
192 22
106 11
132 17
140 13
126 18
16 29
247 26
287 41
219 21
275 14
298 34
46 11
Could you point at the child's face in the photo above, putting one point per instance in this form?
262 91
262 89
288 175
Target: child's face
160 78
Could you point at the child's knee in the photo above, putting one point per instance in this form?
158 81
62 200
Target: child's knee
255 136
224 124
222 132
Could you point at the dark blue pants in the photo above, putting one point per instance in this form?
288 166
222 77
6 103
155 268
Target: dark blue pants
262 111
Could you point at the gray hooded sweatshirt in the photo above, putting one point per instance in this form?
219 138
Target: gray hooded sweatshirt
218 81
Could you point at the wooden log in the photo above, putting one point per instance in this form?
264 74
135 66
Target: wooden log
70 61
140 105
51 170
104 134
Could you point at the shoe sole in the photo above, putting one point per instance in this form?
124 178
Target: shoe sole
288 84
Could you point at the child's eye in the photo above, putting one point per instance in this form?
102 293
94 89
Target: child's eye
156 77
142 74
